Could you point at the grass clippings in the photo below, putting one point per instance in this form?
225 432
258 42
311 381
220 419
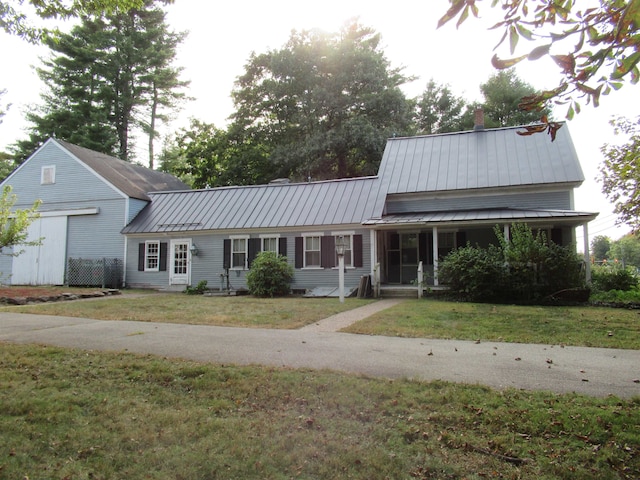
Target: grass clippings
74 414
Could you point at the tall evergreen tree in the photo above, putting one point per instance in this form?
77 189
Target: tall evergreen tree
110 75
439 111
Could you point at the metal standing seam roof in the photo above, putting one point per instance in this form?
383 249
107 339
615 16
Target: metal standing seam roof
478 159
333 202
133 180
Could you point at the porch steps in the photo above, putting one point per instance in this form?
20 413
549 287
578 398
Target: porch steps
399 291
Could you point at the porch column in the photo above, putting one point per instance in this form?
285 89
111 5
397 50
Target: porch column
587 257
435 256
506 232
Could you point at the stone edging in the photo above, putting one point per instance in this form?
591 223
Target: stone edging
57 298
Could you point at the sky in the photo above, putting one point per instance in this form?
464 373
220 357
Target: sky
222 36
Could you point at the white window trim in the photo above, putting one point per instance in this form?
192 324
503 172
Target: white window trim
351 233
246 252
146 256
304 250
48 168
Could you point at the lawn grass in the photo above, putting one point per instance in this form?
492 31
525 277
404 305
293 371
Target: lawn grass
74 414
580 326
238 311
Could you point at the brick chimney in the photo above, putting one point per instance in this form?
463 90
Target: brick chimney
479 119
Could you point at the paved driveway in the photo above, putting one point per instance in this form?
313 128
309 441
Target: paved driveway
591 371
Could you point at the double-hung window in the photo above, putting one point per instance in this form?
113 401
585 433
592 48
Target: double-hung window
269 244
151 256
239 252
312 257
348 251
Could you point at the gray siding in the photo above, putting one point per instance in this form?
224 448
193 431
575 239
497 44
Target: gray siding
208 264
97 236
544 200
135 206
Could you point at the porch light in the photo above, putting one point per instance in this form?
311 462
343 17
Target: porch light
341 247
194 249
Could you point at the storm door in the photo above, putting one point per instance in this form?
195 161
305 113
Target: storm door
402 257
180 262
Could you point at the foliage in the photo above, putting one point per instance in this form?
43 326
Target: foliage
625 251
105 78
439 111
608 278
14 223
616 298
620 172
199 289
503 92
600 245
525 268
270 275
13 19
596 46
323 105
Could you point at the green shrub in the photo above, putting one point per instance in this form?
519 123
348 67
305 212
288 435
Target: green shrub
198 289
605 279
270 275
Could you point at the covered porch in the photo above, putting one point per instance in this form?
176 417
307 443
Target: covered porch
407 248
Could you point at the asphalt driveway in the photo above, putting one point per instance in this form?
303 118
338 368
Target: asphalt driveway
590 371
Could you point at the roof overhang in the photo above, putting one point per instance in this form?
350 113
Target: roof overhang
483 217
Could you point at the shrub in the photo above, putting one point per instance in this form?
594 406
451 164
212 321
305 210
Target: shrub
605 279
270 275
198 289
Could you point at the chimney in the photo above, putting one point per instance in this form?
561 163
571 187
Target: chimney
479 119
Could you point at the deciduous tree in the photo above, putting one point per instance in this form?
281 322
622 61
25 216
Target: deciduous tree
14 223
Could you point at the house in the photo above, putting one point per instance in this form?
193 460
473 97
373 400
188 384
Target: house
432 194
87 198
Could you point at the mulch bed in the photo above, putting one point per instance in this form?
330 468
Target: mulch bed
19 295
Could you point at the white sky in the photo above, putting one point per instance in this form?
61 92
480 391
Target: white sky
222 36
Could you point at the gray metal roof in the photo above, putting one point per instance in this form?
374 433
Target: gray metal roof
478 159
485 215
133 180
335 202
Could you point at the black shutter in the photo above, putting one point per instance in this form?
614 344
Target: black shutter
163 256
141 247
226 260
254 249
327 252
282 246
357 251
299 252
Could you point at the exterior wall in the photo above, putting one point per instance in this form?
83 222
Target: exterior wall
135 206
97 236
209 263
551 199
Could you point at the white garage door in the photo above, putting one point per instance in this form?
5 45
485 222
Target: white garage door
43 264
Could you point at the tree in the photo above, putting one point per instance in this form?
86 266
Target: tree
439 111
595 45
13 18
14 223
502 93
600 246
323 105
620 172
626 251
105 78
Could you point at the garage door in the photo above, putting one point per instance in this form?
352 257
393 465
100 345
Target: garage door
43 264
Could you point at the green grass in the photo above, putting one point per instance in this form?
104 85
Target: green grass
580 326
241 311
88 415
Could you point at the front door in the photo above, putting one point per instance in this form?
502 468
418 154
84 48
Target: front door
402 258
180 262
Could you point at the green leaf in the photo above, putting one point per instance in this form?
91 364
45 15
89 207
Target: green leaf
539 52
508 63
513 39
456 7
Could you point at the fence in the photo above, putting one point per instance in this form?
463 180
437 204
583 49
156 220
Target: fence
94 272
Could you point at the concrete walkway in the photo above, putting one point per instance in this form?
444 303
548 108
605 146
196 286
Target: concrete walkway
342 320
590 371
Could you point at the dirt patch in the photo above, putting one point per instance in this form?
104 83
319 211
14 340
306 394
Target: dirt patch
22 295
29 291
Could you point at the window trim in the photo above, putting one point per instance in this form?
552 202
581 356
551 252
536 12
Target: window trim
147 257
270 236
304 236
43 175
350 234
232 252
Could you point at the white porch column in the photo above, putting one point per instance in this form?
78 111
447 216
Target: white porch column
373 241
435 256
587 256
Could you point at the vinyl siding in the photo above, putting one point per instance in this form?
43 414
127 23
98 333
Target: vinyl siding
97 236
208 264
543 200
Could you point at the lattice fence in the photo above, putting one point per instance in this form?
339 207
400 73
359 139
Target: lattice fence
94 272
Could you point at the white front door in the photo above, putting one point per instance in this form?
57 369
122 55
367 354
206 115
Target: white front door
42 264
180 255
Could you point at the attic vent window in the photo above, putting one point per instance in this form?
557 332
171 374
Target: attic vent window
48 175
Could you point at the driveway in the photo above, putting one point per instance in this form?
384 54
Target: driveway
591 371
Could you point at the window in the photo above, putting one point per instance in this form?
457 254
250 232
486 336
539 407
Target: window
151 256
239 253
270 244
312 251
48 175
348 251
